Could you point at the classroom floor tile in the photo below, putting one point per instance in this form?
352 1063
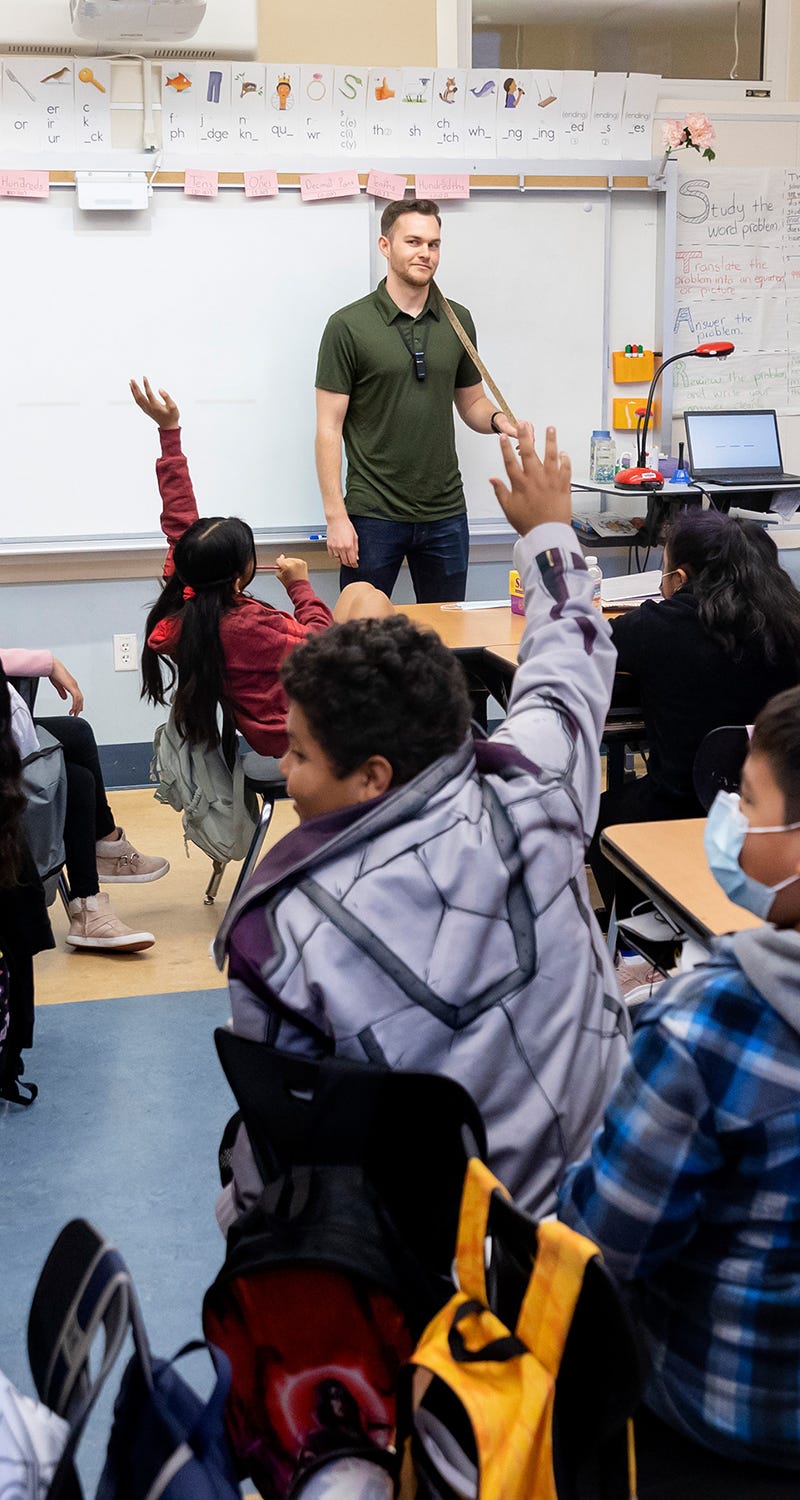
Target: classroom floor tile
171 908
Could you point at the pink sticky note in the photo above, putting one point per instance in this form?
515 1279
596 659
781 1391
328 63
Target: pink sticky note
260 184
200 184
387 184
316 185
429 185
24 184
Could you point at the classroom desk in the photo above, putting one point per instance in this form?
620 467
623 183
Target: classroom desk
488 640
667 862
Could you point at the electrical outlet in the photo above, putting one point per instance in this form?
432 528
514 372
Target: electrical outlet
126 653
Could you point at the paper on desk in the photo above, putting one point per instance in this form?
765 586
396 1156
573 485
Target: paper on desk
785 502
482 604
631 588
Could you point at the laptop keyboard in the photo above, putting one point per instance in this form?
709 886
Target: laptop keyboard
752 478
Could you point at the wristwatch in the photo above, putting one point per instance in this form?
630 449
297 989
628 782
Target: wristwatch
495 414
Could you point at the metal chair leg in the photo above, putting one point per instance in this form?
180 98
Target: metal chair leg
215 881
63 891
256 844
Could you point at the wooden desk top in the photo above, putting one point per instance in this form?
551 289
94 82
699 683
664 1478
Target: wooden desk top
671 861
497 631
470 629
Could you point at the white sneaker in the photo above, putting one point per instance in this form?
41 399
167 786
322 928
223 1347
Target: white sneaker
93 924
118 862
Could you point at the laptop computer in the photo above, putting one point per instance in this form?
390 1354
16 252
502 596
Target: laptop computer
739 448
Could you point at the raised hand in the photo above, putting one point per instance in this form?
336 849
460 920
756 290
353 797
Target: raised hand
539 488
160 408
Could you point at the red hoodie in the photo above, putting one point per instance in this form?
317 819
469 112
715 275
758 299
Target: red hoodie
255 637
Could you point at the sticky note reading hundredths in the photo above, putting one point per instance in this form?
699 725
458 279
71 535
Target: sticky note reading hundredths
387 184
260 184
436 186
316 185
198 184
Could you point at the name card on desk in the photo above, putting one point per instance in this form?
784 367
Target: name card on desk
24 184
390 185
260 184
198 184
430 185
317 185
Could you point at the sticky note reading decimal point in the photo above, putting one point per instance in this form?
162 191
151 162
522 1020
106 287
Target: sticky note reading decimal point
260 184
317 185
200 184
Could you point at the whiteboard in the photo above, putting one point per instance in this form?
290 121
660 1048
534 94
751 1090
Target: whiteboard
223 303
220 302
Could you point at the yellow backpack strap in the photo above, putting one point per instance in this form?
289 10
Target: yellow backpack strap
553 1291
476 1201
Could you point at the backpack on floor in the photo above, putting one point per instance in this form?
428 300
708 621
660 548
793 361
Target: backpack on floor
513 1397
44 781
219 810
166 1442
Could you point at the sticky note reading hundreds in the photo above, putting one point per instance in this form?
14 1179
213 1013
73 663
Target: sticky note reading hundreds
260 184
200 184
387 185
430 185
316 185
25 184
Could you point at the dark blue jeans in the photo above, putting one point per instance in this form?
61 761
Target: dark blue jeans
437 553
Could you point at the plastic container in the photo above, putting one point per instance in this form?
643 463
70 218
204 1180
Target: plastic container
596 574
516 593
603 457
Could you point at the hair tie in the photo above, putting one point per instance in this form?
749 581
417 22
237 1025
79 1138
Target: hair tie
188 592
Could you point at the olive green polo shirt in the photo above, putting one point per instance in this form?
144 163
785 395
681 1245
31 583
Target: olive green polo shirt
399 434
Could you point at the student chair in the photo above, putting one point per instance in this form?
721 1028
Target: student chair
262 777
718 762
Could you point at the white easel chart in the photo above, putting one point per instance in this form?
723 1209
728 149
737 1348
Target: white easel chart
229 112
737 277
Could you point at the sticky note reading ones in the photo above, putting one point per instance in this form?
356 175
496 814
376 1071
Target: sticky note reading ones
260 184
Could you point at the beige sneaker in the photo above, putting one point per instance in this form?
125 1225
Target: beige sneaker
92 924
118 862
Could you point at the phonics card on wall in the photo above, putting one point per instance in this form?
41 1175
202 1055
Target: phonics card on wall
283 109
180 104
350 109
414 110
514 108
214 122
449 88
480 112
318 124
249 105
545 118
383 87
576 110
605 126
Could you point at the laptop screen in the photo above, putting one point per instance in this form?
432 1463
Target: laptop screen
721 441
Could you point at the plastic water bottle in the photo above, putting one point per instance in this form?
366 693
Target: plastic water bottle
603 456
596 574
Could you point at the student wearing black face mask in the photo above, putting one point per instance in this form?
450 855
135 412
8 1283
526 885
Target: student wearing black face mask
724 641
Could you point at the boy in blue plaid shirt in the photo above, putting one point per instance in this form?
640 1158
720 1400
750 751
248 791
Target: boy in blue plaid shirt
692 1189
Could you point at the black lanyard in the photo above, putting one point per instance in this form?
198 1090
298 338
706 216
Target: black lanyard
417 355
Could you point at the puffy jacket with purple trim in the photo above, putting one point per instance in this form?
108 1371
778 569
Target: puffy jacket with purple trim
446 926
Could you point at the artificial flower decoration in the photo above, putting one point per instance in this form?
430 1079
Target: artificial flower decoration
695 131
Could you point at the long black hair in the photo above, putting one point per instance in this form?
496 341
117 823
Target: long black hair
12 797
744 597
211 555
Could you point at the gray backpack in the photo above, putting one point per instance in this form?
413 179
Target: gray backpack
219 811
44 781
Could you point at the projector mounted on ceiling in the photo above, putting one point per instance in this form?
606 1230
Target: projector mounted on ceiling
132 23
156 28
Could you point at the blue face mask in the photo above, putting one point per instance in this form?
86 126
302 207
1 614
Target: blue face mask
725 832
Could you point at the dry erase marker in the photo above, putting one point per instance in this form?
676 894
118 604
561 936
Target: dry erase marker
267 568
318 536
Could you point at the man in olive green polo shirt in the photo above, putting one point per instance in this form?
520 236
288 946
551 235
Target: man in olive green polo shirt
390 369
